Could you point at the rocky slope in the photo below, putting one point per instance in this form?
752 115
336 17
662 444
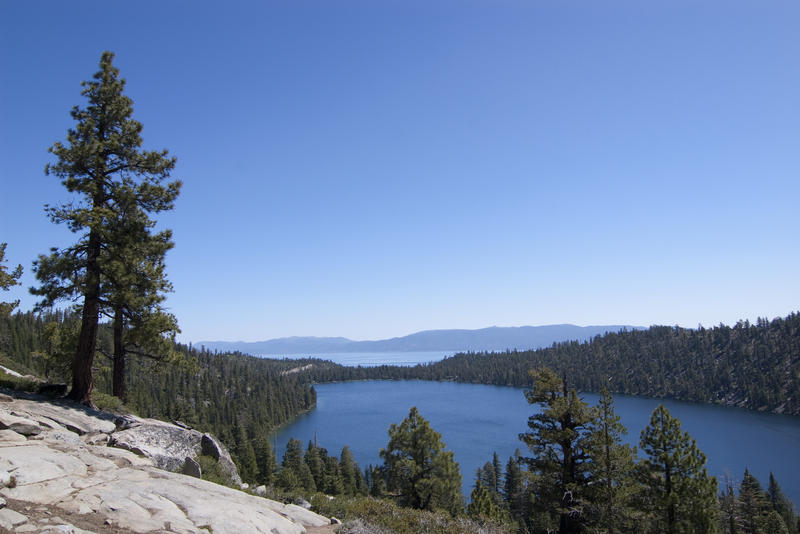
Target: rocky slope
65 468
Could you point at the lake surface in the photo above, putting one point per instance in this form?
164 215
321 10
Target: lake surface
476 420
372 359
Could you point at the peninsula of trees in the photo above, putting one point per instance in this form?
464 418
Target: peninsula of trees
753 366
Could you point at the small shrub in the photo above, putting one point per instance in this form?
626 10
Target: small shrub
337 507
281 495
109 403
378 516
211 471
18 383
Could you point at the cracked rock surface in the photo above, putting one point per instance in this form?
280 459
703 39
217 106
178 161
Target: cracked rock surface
59 477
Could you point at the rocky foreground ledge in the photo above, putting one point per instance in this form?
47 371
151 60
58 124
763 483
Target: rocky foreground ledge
65 468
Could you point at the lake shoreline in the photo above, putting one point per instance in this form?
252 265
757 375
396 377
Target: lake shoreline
402 363
613 393
478 419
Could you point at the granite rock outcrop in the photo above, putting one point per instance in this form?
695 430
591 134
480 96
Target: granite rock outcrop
66 468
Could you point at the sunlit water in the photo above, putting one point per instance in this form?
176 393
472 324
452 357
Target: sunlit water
476 420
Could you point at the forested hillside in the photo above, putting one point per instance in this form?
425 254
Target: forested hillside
755 366
239 398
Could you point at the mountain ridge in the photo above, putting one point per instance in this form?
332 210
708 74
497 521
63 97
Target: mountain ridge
489 338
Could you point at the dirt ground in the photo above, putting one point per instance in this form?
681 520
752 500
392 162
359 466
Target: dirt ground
42 517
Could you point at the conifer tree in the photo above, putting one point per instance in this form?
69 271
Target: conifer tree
316 464
376 480
781 504
58 347
677 491
350 471
498 474
514 488
361 484
729 514
7 281
243 453
753 505
266 462
103 163
136 288
560 439
483 504
613 488
294 473
774 523
486 477
246 461
332 477
419 469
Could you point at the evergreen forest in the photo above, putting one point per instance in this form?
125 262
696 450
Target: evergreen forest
236 397
753 366
571 449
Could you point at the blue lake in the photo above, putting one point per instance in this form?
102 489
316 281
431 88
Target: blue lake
476 420
372 359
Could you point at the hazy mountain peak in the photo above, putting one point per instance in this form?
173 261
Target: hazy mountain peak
489 338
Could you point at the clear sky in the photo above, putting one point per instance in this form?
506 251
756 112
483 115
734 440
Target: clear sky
370 169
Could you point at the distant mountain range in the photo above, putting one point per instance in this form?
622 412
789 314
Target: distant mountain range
494 338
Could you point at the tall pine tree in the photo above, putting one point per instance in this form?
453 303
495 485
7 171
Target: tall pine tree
613 488
350 472
514 491
752 504
560 439
103 163
266 463
677 491
295 473
781 504
729 515
419 469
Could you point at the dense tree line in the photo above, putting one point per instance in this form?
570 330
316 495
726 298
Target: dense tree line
576 477
581 477
316 471
755 366
31 343
743 508
237 397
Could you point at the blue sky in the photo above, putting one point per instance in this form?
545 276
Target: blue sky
370 169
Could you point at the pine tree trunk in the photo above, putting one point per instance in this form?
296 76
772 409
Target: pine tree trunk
82 378
118 381
671 505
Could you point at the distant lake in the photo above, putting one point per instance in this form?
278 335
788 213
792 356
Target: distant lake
372 359
476 420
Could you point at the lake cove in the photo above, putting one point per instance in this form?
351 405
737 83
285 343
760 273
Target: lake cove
476 420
